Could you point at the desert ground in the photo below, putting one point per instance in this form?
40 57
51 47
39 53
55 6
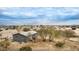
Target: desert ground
48 38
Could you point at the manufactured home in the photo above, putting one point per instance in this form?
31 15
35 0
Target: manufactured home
25 36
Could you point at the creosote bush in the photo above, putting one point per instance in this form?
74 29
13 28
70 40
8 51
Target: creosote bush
54 34
26 29
59 44
4 44
69 33
25 49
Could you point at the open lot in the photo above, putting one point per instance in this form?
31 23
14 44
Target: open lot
39 38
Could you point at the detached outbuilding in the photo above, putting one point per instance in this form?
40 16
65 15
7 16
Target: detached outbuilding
25 36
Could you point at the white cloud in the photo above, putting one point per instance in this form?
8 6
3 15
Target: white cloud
29 14
9 13
42 15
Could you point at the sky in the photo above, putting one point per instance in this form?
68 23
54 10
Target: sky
39 15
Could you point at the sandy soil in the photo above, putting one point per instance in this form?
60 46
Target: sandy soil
41 46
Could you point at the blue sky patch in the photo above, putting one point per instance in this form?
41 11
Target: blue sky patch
39 15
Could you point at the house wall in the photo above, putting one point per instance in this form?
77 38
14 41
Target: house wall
20 38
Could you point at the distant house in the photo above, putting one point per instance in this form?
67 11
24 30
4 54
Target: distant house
25 36
73 27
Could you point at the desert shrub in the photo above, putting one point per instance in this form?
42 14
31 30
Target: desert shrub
0 34
6 29
57 33
25 49
44 32
69 33
4 44
50 40
18 28
59 44
51 32
14 27
26 29
1 30
44 40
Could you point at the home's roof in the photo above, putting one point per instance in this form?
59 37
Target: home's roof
28 33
